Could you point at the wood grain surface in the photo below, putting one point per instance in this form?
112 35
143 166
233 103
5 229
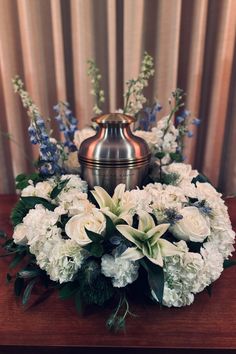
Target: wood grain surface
54 326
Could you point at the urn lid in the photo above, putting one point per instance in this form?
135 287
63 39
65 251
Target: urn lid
114 143
114 118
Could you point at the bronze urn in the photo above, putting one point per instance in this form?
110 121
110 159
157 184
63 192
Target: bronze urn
114 155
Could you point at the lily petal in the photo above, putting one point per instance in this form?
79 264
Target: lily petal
168 249
146 222
102 197
132 253
157 256
157 232
132 234
118 193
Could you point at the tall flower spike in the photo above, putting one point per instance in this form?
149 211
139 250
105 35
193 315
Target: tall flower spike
49 154
134 98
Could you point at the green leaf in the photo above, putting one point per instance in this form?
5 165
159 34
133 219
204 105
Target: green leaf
93 236
27 274
155 278
160 155
229 263
111 229
20 177
28 291
170 178
17 259
18 286
8 278
22 180
30 202
200 178
96 249
57 190
79 302
209 289
25 204
68 290
175 156
3 234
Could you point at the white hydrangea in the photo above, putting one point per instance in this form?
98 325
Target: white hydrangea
122 271
63 260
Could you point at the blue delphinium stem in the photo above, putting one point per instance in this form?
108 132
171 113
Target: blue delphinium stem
67 124
49 153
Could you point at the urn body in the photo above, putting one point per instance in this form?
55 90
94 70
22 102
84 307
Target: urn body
114 155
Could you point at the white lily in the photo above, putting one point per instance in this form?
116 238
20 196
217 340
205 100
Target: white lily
147 239
117 207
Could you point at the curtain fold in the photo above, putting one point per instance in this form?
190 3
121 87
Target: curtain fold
48 43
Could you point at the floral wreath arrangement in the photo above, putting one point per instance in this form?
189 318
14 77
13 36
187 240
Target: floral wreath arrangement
168 240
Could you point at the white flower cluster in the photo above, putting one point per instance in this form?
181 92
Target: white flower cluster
190 273
59 257
134 98
163 138
190 213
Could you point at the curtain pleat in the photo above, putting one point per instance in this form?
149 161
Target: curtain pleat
48 42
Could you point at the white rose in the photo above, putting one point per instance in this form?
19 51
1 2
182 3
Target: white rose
193 227
75 227
20 234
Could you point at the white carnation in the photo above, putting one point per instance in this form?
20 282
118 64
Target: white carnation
122 271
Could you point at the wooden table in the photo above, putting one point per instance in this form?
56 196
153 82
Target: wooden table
54 326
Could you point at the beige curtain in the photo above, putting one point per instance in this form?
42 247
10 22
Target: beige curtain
47 42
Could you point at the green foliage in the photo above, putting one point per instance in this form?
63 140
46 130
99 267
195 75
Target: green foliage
17 259
200 178
3 234
18 286
24 205
176 156
94 237
68 290
8 278
155 278
94 287
22 180
79 302
57 190
159 155
229 263
27 274
28 290
170 178
95 248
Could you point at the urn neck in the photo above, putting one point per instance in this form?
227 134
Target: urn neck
113 131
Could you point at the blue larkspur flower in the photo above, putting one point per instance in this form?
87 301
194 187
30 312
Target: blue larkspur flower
196 121
189 134
179 119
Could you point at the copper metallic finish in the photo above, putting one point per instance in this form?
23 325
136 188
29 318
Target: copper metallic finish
114 155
